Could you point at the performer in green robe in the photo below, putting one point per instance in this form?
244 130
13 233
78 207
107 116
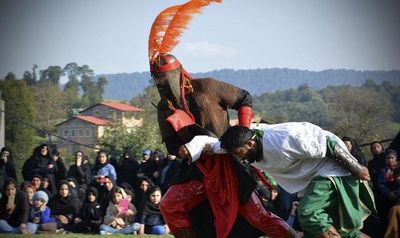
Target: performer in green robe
304 158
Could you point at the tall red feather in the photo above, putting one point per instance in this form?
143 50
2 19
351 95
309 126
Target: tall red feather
170 24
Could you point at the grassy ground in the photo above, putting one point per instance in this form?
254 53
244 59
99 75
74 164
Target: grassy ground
80 236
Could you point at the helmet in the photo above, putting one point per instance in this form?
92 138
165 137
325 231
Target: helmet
167 74
164 63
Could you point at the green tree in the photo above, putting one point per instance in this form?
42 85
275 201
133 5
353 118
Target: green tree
148 102
72 87
34 67
357 113
117 138
71 92
141 137
19 110
72 70
95 92
81 80
89 95
101 83
303 104
393 92
50 104
51 74
29 79
10 76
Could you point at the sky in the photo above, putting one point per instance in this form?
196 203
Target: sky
111 36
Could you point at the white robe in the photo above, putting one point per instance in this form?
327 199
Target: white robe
293 152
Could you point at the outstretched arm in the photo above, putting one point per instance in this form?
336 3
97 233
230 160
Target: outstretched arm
340 154
195 147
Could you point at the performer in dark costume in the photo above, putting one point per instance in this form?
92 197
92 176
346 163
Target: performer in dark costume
194 106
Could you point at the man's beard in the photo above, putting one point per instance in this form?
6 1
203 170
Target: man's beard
253 155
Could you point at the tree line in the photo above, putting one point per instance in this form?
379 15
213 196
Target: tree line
35 103
367 112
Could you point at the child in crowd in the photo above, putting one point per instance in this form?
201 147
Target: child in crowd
90 216
130 195
120 215
103 168
40 214
29 191
152 221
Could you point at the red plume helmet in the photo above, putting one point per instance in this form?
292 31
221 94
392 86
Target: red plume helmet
166 30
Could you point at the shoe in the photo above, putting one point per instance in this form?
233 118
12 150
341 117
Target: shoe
105 233
23 228
61 231
45 232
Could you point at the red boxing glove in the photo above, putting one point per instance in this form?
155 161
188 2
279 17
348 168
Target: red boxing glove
245 114
180 119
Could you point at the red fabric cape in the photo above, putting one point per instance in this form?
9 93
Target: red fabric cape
221 187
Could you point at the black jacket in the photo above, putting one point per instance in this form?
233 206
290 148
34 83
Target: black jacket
168 170
127 171
20 212
9 166
60 170
82 174
7 170
39 165
67 206
105 197
91 211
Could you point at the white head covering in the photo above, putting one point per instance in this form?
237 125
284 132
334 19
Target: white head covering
196 145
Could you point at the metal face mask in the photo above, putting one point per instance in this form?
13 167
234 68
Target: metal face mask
169 86
167 73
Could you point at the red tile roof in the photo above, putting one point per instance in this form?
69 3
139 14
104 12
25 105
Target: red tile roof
94 120
122 106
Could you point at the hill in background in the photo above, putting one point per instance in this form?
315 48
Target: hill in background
125 86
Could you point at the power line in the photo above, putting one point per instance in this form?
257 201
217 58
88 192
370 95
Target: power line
380 141
45 131
91 147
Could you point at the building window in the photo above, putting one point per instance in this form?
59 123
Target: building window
80 133
73 147
127 115
73 133
66 133
87 132
111 114
96 113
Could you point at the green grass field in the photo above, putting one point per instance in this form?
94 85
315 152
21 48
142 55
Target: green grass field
76 235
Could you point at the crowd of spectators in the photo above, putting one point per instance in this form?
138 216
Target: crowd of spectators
106 196
110 196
